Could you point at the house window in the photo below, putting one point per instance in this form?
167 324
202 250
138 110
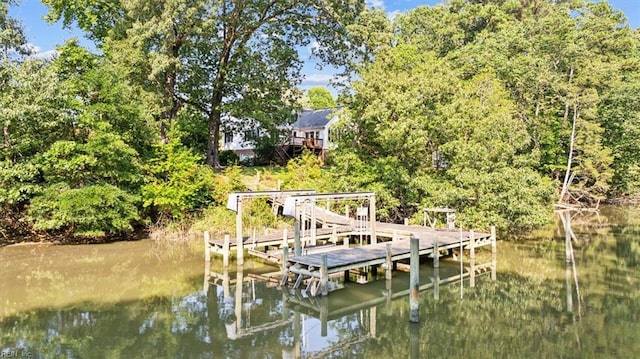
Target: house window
228 137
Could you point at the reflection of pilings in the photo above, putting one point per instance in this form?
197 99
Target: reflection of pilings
207 274
297 331
225 251
324 315
226 292
461 267
436 270
472 259
414 340
567 236
207 247
238 299
569 288
494 253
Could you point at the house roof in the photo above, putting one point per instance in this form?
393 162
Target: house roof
314 118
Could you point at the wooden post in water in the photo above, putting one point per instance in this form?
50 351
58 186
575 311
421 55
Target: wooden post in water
297 249
313 229
414 281
494 253
388 274
226 244
324 276
472 257
239 239
436 254
285 259
372 219
207 247
254 238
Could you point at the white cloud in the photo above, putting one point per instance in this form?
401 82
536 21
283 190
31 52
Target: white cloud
317 79
392 15
378 4
47 55
314 47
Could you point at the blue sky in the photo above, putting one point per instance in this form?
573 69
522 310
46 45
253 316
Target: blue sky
45 37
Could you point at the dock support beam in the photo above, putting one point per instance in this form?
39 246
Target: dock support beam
414 281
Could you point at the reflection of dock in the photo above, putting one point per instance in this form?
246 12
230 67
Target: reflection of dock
248 305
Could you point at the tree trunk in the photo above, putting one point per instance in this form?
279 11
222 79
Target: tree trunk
213 155
567 182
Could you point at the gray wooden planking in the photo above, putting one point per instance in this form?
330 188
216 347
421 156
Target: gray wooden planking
350 257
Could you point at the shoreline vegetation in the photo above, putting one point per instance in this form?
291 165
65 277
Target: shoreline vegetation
220 221
497 109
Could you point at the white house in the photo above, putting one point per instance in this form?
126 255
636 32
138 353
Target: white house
311 130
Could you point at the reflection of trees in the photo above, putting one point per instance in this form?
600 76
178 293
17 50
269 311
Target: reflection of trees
523 314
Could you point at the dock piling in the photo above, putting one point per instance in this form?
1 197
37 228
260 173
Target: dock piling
388 271
414 281
324 277
296 238
239 238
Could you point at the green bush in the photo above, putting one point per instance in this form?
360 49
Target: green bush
228 158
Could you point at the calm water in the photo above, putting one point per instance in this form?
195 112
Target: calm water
144 300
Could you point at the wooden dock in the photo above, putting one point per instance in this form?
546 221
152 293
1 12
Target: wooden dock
316 268
304 260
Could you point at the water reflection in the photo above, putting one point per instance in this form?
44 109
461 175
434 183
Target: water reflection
115 301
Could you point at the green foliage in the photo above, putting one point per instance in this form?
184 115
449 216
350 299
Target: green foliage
423 137
320 98
176 182
229 157
304 172
174 49
73 130
91 210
